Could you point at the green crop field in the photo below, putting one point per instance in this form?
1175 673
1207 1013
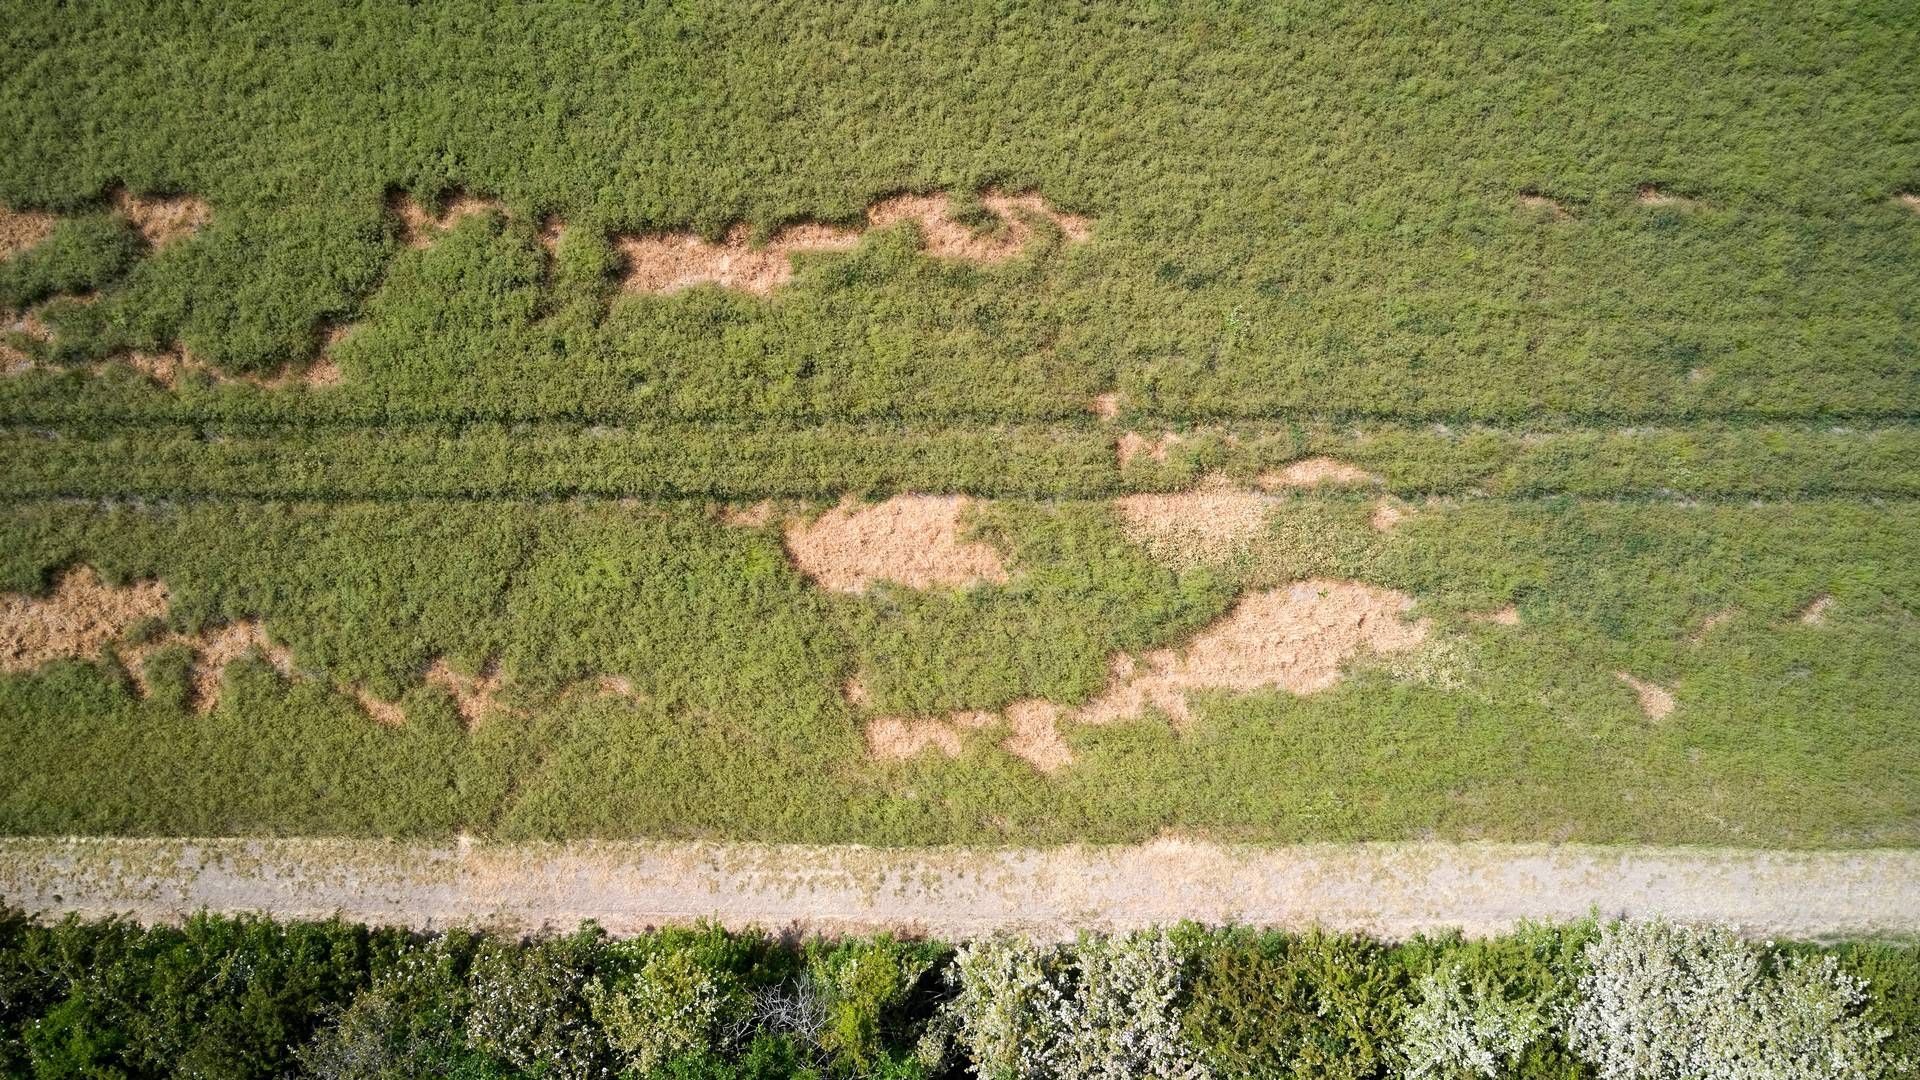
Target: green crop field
1533 389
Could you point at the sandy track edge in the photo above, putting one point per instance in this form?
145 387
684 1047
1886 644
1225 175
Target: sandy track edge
1388 889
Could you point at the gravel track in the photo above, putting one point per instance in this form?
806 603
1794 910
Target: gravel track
1388 889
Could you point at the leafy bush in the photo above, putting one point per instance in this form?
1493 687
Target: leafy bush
673 1008
1316 1005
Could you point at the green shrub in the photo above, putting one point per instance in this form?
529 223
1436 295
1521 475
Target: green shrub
81 254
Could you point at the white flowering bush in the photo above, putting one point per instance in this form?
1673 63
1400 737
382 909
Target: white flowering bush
1454 1031
1661 1001
1104 1009
529 1008
1004 1013
673 1007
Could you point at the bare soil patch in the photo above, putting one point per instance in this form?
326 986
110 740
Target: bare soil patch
214 649
750 516
1190 527
169 369
669 262
948 238
163 219
1295 638
473 695
1709 624
384 712
1105 406
1318 472
912 540
419 228
21 229
1387 515
76 620
1815 613
1134 445
1541 204
1655 701
1506 616
1651 195
1909 200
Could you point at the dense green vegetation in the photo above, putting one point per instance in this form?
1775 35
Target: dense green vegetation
1316 230
1787 733
334 1001
1302 211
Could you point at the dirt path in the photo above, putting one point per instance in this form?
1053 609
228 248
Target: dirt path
1388 889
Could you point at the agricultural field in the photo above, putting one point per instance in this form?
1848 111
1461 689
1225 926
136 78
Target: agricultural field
963 424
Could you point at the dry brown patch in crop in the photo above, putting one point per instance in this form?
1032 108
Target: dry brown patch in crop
913 540
473 695
1105 406
162 219
1506 616
419 228
1655 701
669 262
1551 208
77 619
171 367
1318 472
1652 195
946 237
1909 200
1191 527
213 650
1816 613
751 516
1711 623
385 712
1134 445
1387 515
21 229
1295 638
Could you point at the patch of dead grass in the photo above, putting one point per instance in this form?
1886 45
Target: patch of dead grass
76 620
170 368
1815 614
912 540
669 262
1506 616
1295 638
1318 472
1187 528
1652 195
749 516
1105 406
1387 515
419 228
1909 200
1711 623
473 695
1656 702
213 650
22 229
163 219
1552 209
1133 445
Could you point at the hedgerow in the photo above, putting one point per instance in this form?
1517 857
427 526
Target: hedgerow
244 997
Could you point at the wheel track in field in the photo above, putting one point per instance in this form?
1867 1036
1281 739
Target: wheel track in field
1388 889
